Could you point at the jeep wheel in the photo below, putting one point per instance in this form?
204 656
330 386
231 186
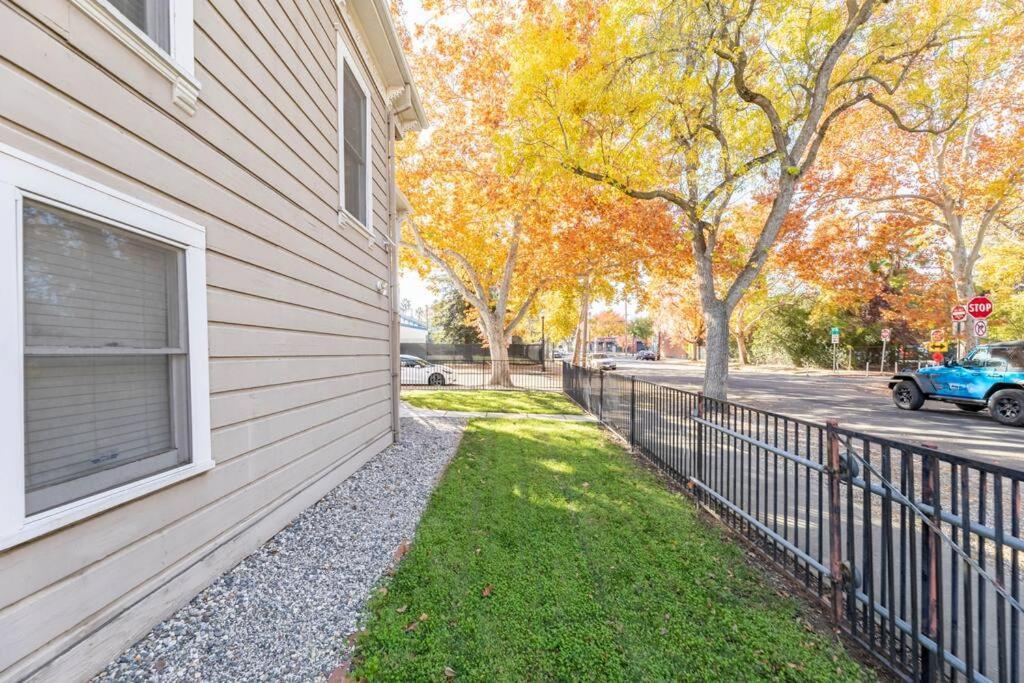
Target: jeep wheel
970 407
1007 407
436 379
907 396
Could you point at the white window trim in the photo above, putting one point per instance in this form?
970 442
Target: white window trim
344 216
178 66
22 175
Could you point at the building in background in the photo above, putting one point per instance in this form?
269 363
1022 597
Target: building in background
413 331
197 220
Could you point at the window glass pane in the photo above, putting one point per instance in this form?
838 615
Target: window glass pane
88 284
354 139
93 423
152 16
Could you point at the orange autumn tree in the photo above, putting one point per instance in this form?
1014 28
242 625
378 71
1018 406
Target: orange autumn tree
485 220
608 324
480 219
953 189
884 271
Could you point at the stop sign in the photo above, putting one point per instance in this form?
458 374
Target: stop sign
959 314
980 307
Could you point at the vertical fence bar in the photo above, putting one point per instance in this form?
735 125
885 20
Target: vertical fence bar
931 668
632 412
969 634
835 529
699 450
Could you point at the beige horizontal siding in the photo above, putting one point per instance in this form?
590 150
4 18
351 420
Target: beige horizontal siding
298 335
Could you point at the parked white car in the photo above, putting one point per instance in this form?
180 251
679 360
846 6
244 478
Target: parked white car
418 371
601 361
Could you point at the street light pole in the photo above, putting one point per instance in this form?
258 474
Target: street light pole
543 346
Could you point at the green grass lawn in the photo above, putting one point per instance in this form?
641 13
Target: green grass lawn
546 553
485 401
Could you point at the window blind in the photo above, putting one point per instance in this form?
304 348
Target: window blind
103 356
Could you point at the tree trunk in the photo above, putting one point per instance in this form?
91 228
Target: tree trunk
963 271
579 351
501 375
741 348
716 367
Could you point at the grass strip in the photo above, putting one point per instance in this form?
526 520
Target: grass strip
547 554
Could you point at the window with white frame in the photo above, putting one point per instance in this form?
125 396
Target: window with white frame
158 31
108 397
153 17
354 138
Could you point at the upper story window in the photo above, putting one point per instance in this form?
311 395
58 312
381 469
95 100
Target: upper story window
158 31
106 392
354 142
152 16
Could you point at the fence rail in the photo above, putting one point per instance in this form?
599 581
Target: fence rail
516 375
917 552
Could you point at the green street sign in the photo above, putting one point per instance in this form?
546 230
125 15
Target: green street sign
835 330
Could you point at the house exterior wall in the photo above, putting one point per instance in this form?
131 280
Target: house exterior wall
300 332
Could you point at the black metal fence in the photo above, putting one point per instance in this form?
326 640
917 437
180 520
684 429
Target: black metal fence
917 552
510 376
471 353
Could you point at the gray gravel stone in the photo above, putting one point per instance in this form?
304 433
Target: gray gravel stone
285 612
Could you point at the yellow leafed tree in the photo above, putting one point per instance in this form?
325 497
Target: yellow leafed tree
701 104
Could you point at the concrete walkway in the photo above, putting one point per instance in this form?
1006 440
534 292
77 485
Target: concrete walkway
424 413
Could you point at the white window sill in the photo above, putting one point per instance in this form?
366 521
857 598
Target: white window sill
347 220
184 86
51 520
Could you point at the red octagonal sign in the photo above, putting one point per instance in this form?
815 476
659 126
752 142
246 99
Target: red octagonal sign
980 307
959 314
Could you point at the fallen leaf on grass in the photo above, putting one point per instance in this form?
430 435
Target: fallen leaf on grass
449 672
488 589
424 617
401 550
412 627
401 610
383 590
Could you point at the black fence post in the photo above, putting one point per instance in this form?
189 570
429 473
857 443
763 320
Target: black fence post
835 537
700 437
632 412
931 664
600 400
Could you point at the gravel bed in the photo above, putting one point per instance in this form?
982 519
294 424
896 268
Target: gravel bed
285 612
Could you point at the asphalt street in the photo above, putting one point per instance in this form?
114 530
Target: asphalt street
857 401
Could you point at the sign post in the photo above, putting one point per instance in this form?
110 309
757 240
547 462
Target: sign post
979 308
959 317
835 350
886 338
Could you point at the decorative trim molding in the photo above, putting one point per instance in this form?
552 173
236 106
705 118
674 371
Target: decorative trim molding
184 86
354 29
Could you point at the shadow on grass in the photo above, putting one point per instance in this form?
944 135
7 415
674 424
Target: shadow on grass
492 401
545 553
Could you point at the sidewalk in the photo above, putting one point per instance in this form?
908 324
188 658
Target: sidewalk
423 413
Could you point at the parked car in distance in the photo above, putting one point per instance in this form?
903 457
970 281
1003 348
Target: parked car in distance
646 354
418 371
601 361
558 355
991 376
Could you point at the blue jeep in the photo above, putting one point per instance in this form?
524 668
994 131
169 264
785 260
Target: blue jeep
991 376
